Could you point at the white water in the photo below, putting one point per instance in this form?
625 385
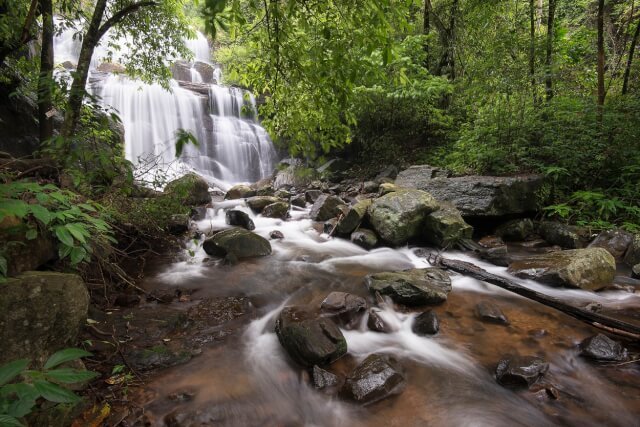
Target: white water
233 147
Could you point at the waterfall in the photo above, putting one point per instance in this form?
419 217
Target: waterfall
233 147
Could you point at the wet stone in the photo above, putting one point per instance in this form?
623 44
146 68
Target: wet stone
324 379
412 287
602 348
276 235
377 377
276 210
127 300
239 218
491 242
299 201
326 207
635 271
376 323
346 309
520 371
364 238
312 195
426 323
491 313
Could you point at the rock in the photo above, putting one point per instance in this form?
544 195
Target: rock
329 226
376 323
312 195
127 300
309 341
333 166
237 242
110 67
498 255
602 348
276 210
632 257
635 271
377 377
590 269
269 191
191 189
386 188
490 312
240 191
42 312
616 242
178 224
291 173
240 219
445 227
515 230
390 172
364 238
324 379
205 70
299 201
280 194
520 371
412 287
198 213
346 309
354 217
258 203
426 323
369 187
415 176
481 196
326 207
566 236
156 357
491 242
276 235
181 71
23 254
68 65
398 217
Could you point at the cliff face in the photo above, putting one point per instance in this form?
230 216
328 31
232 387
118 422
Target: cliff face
18 123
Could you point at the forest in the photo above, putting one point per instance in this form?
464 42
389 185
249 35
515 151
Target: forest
319 212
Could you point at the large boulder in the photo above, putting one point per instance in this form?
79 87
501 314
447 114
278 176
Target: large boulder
364 238
326 207
602 348
181 71
415 176
632 257
399 216
191 189
276 210
239 191
41 312
412 287
292 173
479 196
377 377
566 236
239 218
590 269
21 253
258 203
516 230
346 309
445 227
615 241
426 323
238 243
354 217
309 340
205 70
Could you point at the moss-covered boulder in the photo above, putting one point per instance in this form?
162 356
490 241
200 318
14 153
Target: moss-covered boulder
41 313
364 238
276 210
399 216
566 236
191 189
309 340
258 203
414 287
515 230
446 227
240 191
590 269
354 217
326 207
237 243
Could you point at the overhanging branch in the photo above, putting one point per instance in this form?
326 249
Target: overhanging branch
121 14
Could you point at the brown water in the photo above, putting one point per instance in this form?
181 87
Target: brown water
247 379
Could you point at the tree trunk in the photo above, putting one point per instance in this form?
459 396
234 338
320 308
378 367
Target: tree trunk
549 59
45 80
601 58
632 49
532 49
426 29
77 92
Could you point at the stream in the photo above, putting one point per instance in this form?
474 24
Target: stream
248 379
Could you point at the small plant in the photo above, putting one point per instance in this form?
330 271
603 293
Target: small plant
19 398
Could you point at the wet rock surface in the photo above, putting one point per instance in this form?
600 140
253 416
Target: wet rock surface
491 313
276 210
589 269
276 234
632 257
354 217
346 309
566 236
602 348
376 378
376 323
520 371
240 191
412 287
516 230
426 323
445 227
258 203
364 238
192 189
237 242
178 224
240 219
309 340
323 379
399 216
616 242
326 207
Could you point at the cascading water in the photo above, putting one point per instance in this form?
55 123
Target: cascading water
233 147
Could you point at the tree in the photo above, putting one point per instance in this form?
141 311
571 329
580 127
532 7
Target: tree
601 56
45 80
549 57
632 49
17 26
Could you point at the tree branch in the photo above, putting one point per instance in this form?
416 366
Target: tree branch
121 14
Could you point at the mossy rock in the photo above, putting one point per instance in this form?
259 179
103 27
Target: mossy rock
190 189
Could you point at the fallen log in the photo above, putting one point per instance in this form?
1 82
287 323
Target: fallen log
596 320
30 167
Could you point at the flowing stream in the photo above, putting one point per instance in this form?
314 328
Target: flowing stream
249 380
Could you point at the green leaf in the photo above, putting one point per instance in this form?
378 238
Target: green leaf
31 234
66 355
14 207
55 393
64 236
87 207
64 251
78 231
22 390
78 253
41 213
12 369
8 421
70 375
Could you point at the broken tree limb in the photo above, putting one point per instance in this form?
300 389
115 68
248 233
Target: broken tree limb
596 320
